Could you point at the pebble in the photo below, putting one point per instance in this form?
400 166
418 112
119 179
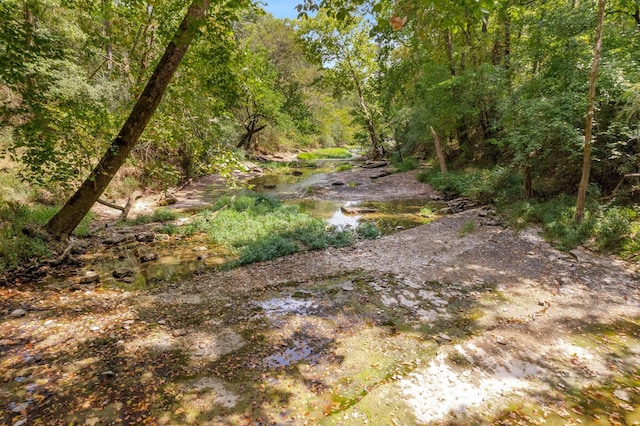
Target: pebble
20 407
445 337
622 395
18 313
501 340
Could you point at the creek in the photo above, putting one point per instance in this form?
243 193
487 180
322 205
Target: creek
174 258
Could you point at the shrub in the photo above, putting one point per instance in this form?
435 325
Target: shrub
614 228
368 231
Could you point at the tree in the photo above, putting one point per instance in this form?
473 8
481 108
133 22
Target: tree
586 164
70 215
348 55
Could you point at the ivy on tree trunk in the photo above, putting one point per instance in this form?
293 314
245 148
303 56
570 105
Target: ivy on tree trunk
70 215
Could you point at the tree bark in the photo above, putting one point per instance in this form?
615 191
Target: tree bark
66 220
586 158
436 141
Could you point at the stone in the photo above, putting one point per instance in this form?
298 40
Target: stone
374 164
20 422
168 201
16 313
622 395
128 280
445 337
381 175
122 273
501 340
20 407
357 210
338 183
146 237
148 257
90 277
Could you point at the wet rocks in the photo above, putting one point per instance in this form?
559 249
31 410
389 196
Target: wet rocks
124 275
357 210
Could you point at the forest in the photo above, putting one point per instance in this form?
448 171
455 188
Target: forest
453 138
503 86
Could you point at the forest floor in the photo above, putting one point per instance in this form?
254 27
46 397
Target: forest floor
461 321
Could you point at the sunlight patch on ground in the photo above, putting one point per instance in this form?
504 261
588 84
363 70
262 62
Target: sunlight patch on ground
442 389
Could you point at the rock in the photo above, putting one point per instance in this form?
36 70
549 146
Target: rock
300 294
20 422
296 173
501 340
179 332
445 337
20 407
17 313
128 280
108 373
148 257
338 183
122 273
168 201
146 237
622 395
357 210
118 239
348 286
381 175
374 164
200 248
90 277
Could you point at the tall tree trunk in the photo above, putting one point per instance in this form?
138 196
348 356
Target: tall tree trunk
66 220
586 159
436 141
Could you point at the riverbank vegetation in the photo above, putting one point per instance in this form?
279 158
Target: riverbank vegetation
497 90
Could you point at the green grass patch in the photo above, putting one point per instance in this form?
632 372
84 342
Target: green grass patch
257 227
324 153
159 215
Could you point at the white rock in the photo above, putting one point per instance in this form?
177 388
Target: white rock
18 313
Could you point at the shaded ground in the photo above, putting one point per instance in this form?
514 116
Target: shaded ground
457 322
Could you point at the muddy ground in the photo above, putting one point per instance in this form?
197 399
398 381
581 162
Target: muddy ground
458 322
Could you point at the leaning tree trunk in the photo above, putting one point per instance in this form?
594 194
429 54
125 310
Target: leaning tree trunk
586 160
66 220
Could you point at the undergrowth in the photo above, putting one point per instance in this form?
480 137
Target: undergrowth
256 228
18 248
607 228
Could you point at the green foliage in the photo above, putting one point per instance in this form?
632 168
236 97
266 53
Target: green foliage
407 164
17 248
158 215
499 185
614 228
368 231
337 153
